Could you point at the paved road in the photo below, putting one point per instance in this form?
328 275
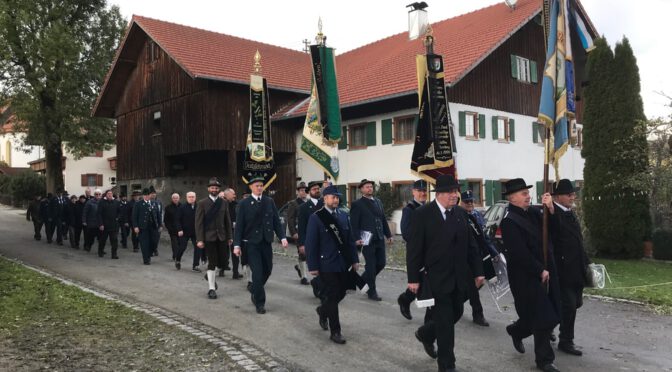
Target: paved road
614 336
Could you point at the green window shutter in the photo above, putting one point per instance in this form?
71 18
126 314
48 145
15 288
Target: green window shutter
488 192
533 71
343 190
481 126
464 185
540 190
371 133
343 143
514 67
512 130
386 131
535 133
494 127
462 131
497 190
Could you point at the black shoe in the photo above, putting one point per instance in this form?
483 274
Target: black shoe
316 287
429 346
146 263
553 338
115 257
254 302
196 269
375 297
517 342
236 276
404 307
261 310
304 281
59 243
322 319
155 253
337 338
221 272
178 265
124 246
101 254
249 286
48 241
135 249
550 367
227 268
212 294
480 320
569 348
447 369
298 271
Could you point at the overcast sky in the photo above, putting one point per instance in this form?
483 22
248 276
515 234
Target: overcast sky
350 24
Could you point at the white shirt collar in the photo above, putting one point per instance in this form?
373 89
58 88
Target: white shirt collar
213 198
314 201
441 208
565 209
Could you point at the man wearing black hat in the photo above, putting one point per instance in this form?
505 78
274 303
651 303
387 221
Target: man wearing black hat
90 220
135 198
312 204
532 277
124 221
331 252
33 213
158 206
441 242
292 225
109 211
570 258
367 215
419 199
213 231
256 222
146 221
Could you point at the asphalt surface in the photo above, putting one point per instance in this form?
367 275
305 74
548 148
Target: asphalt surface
613 336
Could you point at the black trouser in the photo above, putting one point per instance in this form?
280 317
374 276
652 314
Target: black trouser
571 298
135 239
474 297
235 260
102 239
260 258
543 352
75 233
155 241
59 227
215 250
49 227
37 226
174 244
448 309
183 241
148 239
374 255
125 230
90 234
333 292
223 257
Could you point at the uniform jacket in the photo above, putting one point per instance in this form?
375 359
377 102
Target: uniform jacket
185 220
322 251
169 217
33 212
123 212
367 215
90 213
293 215
570 255
77 211
220 228
57 205
445 248
146 215
525 260
256 222
108 214
129 210
305 210
405 223
44 210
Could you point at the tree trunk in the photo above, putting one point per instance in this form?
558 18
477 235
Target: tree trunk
53 155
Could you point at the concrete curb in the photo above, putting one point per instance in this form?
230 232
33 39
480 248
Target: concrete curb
245 355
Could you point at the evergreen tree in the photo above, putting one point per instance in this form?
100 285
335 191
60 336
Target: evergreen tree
53 61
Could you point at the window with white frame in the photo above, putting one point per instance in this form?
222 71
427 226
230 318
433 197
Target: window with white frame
471 125
502 129
357 136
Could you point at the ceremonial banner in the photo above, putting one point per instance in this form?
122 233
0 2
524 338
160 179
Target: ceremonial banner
433 149
322 129
556 107
582 31
259 151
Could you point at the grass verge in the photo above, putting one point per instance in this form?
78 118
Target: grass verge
45 324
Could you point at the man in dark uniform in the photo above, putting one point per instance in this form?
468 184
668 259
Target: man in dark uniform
158 206
44 216
419 198
292 225
331 252
109 211
441 242
76 226
185 222
33 213
256 222
571 260
169 223
56 207
135 198
367 215
312 204
90 220
72 220
230 196
146 220
124 220
533 282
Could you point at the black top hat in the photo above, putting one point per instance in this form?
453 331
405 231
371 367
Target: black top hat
214 182
364 182
314 183
331 190
564 187
515 185
420 185
152 190
301 185
145 191
446 183
468 196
